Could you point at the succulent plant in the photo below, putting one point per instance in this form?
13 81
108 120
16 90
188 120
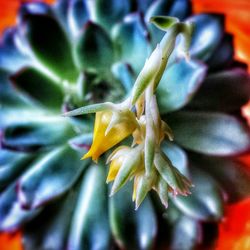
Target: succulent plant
77 53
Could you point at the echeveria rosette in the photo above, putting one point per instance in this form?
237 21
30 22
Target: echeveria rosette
66 56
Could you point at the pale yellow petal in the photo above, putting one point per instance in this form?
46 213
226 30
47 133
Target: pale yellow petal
114 168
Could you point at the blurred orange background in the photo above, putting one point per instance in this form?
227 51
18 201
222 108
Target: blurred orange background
234 230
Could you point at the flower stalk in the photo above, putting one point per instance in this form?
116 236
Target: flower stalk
138 116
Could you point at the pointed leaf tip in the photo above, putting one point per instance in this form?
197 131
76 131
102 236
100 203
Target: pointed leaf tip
163 22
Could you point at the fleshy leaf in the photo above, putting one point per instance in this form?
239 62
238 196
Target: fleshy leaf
33 8
32 135
131 42
50 177
12 164
124 73
90 227
157 8
51 226
78 15
143 5
206 201
93 49
233 176
52 50
106 13
178 84
9 99
207 35
12 216
225 91
180 9
210 133
11 59
177 156
186 234
223 54
39 88
132 229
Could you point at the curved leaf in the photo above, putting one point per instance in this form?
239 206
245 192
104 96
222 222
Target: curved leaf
78 15
132 229
33 8
50 229
93 49
207 35
233 176
180 9
131 41
30 135
157 8
12 216
11 59
223 54
9 98
90 228
186 234
50 176
12 164
206 201
177 156
124 73
106 13
53 50
225 91
38 87
210 133
178 84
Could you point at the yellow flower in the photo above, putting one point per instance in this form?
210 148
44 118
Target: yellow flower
110 128
125 163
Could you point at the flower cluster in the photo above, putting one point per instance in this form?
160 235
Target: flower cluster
139 116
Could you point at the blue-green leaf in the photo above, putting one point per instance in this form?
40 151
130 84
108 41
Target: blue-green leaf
51 226
12 216
12 164
132 229
210 133
207 35
50 176
223 54
180 9
30 135
233 176
106 13
93 49
143 5
9 98
225 91
39 88
186 234
78 15
178 84
90 228
124 73
53 50
11 59
33 8
157 8
206 201
131 41
177 156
